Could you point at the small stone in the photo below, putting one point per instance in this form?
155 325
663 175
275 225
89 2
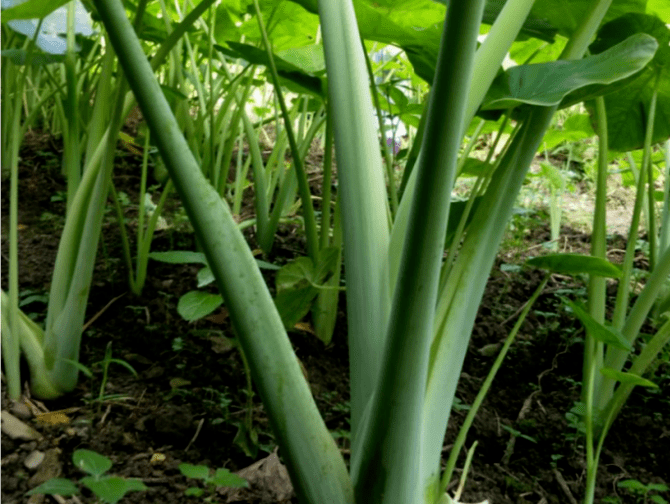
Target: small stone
16 429
21 410
34 459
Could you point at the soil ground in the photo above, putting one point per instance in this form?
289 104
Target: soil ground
189 402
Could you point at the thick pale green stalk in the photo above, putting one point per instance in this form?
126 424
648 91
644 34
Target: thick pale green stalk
393 435
64 323
317 469
464 288
593 349
363 197
493 50
457 308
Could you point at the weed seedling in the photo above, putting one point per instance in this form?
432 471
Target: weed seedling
221 478
641 491
108 489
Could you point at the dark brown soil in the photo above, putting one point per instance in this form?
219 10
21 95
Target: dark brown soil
189 399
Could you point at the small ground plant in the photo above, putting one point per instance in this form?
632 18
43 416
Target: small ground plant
221 478
108 489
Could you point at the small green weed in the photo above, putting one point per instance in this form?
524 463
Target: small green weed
108 489
220 478
642 491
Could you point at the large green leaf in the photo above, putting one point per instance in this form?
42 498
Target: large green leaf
32 9
575 264
546 84
576 127
567 15
292 73
627 108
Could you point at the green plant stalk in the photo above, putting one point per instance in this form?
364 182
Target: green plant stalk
623 289
616 358
613 407
318 475
491 53
415 150
324 312
303 185
386 149
11 342
466 468
71 150
327 187
364 201
648 166
287 188
394 432
31 339
481 395
664 233
593 349
459 299
64 326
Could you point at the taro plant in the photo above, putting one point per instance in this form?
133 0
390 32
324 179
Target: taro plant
612 368
53 350
410 312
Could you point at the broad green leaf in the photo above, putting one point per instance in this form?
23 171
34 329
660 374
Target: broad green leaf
55 486
575 264
224 478
456 210
576 127
295 75
195 305
179 257
309 58
546 84
567 15
111 489
194 471
476 167
599 331
295 285
32 9
660 8
629 378
627 108
91 462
